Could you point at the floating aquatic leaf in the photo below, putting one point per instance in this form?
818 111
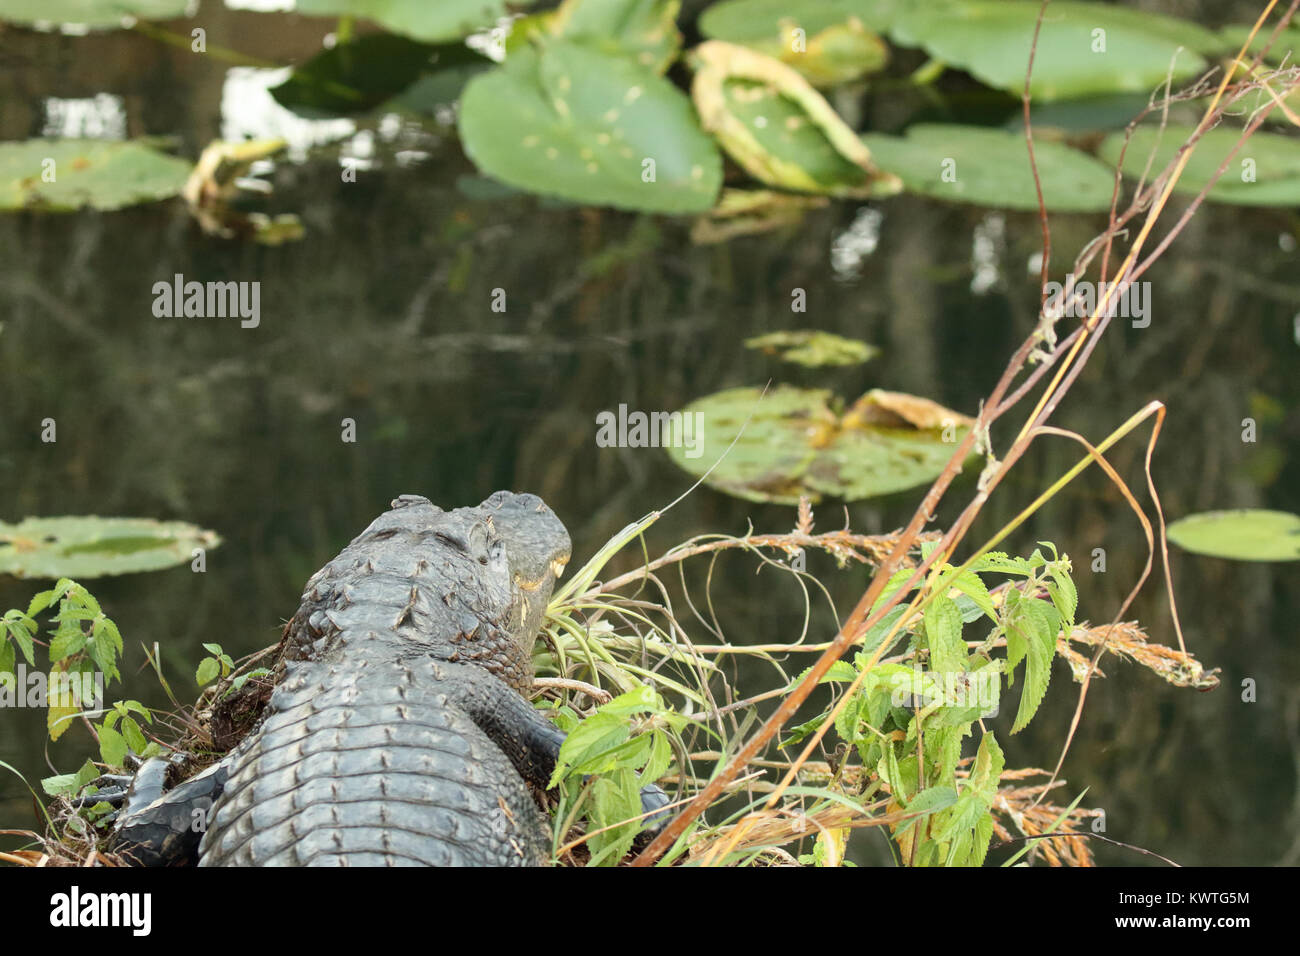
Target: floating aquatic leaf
823 39
361 74
60 175
430 20
990 167
1083 48
1285 48
748 212
99 14
781 130
813 348
90 546
796 444
1265 171
643 29
574 122
215 188
1244 535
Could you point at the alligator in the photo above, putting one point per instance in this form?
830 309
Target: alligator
399 730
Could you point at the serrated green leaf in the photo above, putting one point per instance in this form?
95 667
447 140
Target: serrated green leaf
970 584
928 801
943 635
208 670
1064 595
1038 672
661 758
847 720
135 738
591 746
112 747
61 784
840 671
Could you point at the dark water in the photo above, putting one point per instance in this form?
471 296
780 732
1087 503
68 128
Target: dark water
383 315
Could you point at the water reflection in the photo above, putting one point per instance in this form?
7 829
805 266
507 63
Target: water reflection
383 315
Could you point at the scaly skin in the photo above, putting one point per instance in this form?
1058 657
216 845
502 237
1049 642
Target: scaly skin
398 734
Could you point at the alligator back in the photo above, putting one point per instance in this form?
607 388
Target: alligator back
371 767
397 733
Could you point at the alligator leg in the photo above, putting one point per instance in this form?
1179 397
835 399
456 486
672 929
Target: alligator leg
164 829
525 736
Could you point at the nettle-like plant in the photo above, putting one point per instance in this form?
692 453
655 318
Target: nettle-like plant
84 649
907 720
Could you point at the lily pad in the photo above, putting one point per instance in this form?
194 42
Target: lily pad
361 74
751 212
1285 47
89 546
813 348
797 444
98 14
1244 535
429 20
774 124
570 121
1083 48
60 175
990 167
1271 159
823 39
646 30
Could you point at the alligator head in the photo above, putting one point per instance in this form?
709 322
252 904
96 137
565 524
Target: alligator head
469 585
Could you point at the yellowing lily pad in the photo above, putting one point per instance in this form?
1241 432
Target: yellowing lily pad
822 39
813 348
1264 172
1244 535
990 167
749 212
60 175
796 443
778 128
89 546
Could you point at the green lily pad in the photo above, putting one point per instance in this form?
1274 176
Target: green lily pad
645 30
990 167
797 444
570 121
813 348
773 123
429 20
361 74
1285 47
834 46
90 547
98 14
86 172
1083 48
1274 163
1245 535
